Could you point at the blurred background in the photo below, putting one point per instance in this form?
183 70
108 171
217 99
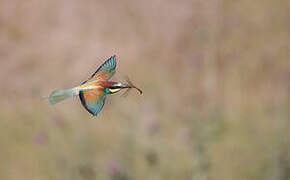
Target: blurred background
215 76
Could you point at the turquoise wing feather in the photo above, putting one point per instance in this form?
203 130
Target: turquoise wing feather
107 67
92 101
105 71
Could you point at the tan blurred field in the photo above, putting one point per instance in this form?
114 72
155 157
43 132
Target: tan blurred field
215 76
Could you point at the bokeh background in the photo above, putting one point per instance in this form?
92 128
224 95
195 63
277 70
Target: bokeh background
215 76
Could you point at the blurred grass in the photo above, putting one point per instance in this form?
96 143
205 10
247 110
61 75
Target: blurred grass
215 76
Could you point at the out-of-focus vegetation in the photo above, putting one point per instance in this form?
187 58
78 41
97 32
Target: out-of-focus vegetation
215 76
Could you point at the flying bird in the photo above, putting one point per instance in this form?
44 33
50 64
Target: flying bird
93 92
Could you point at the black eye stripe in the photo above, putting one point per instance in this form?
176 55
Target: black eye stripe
115 87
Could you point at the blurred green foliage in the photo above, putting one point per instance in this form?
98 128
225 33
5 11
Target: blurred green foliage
215 76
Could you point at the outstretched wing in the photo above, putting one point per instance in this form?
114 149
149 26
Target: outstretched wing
105 71
93 101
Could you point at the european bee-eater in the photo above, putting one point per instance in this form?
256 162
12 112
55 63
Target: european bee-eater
94 91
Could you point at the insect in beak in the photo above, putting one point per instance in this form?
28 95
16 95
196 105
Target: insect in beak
130 85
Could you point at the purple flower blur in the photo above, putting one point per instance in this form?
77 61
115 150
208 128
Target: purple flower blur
40 138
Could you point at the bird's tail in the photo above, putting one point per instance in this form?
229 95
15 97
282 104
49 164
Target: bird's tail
60 95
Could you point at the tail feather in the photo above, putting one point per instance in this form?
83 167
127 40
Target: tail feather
60 95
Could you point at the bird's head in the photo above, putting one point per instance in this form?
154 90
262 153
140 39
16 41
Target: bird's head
116 87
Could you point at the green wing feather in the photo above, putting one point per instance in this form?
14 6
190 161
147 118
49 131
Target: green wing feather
105 71
108 67
93 106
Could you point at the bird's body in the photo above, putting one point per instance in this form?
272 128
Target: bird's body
93 92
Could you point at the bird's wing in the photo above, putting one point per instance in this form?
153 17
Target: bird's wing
105 71
93 100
